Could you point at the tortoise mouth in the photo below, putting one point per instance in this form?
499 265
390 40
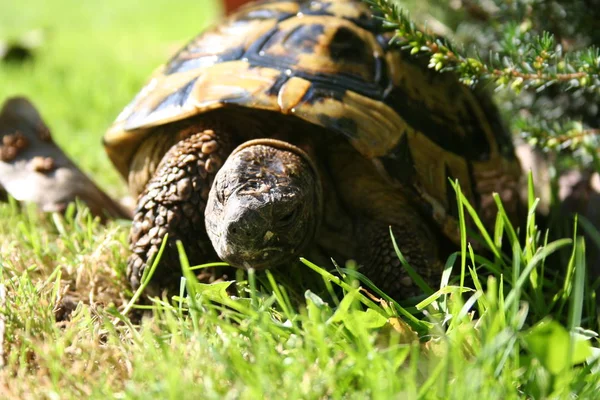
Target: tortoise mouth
265 258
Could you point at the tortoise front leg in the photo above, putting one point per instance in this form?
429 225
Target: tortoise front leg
418 245
173 202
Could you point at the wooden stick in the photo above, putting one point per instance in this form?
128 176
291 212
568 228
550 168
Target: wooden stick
34 169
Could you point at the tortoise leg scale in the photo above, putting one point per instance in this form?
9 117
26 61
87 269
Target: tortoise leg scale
381 264
374 207
173 202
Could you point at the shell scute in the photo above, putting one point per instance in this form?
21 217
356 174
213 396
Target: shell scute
311 45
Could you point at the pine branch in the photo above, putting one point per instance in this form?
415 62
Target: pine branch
558 136
567 142
525 60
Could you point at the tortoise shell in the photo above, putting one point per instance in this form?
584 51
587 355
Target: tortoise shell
329 62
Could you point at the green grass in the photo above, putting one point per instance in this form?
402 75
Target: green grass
521 326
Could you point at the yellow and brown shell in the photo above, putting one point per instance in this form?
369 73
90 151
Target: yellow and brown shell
329 62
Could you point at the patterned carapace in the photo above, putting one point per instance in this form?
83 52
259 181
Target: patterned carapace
330 63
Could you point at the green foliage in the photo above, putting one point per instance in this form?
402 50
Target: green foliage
519 324
525 59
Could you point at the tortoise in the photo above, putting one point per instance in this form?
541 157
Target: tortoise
295 127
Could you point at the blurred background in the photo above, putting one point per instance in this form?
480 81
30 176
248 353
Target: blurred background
80 62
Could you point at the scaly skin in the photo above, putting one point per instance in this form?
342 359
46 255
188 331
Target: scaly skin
418 246
173 202
375 205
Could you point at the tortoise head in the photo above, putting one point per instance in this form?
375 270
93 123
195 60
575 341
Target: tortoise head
265 204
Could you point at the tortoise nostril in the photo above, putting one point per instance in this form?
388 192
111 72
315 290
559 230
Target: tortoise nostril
244 232
288 218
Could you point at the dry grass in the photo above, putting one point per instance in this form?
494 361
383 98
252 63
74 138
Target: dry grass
60 278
